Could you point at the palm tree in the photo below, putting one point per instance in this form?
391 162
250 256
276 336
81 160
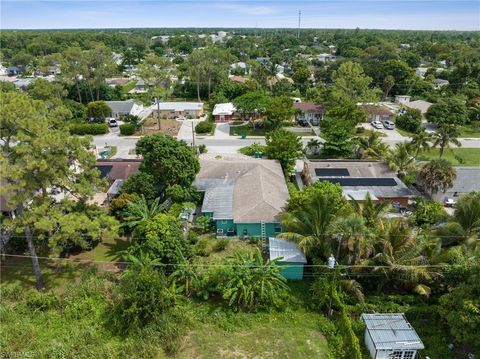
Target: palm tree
371 212
467 212
437 175
313 145
352 236
400 160
445 135
373 147
311 225
400 257
139 210
420 141
186 275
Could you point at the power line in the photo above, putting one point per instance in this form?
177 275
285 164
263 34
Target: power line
441 266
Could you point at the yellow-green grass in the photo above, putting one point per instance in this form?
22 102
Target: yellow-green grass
291 334
462 156
468 131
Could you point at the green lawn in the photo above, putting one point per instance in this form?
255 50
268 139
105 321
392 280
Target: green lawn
245 129
463 156
240 130
292 334
404 132
469 131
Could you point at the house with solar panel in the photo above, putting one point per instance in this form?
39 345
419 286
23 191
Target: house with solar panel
390 336
242 195
359 178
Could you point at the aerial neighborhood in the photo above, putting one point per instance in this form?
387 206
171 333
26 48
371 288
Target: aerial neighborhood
240 193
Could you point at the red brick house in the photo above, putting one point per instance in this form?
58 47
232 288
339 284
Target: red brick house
223 112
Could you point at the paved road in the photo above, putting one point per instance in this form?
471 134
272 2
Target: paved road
220 143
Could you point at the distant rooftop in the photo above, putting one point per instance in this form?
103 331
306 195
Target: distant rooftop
181 106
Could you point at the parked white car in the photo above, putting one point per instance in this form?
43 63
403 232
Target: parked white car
377 124
389 125
112 122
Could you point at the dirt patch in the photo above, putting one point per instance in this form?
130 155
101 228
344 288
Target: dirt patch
167 127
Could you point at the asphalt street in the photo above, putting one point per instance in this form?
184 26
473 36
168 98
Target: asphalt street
222 143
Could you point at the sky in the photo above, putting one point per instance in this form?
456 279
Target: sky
365 14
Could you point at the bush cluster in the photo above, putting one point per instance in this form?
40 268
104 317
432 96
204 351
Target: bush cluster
204 127
127 129
89 129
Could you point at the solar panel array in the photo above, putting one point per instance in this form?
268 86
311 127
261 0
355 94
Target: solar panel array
332 172
362 181
104 170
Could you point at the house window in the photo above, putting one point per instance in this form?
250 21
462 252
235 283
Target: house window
408 354
224 221
278 228
455 194
397 354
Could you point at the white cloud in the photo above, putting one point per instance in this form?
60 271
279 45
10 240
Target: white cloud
256 10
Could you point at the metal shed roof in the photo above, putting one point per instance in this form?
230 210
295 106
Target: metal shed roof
289 251
219 201
392 331
115 187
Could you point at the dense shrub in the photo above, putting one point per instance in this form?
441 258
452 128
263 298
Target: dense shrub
141 183
252 149
220 245
141 297
428 212
410 121
204 127
127 129
89 129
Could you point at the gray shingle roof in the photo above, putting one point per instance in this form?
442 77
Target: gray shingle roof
468 179
219 201
259 189
392 331
289 251
120 106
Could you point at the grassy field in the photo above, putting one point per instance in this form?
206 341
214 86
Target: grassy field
458 156
469 131
292 334
245 129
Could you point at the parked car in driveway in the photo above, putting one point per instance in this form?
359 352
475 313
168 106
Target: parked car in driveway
377 124
389 125
112 122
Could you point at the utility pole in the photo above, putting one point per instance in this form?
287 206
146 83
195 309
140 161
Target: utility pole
157 100
193 136
299 17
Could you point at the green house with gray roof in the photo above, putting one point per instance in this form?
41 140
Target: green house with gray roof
242 195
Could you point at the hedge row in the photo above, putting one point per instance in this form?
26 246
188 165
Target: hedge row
89 129
127 129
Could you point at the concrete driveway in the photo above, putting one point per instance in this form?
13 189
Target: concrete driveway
390 137
222 131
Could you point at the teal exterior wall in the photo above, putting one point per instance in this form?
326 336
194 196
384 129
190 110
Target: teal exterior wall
224 224
292 271
254 229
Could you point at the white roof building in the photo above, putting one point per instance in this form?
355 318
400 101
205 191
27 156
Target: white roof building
223 109
390 336
181 106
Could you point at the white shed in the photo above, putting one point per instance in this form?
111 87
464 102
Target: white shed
390 336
